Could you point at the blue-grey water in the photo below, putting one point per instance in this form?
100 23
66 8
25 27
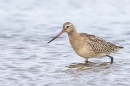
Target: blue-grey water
27 25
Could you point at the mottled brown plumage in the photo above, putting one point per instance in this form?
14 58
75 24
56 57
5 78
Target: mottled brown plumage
87 45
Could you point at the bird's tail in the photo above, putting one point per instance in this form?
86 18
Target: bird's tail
120 47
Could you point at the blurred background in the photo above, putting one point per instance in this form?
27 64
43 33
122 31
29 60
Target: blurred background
27 25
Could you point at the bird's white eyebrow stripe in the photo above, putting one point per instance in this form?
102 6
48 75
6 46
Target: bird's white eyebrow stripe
68 25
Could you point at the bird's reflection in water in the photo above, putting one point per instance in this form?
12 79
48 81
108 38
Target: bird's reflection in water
90 65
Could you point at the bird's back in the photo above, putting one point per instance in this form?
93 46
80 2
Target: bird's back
99 45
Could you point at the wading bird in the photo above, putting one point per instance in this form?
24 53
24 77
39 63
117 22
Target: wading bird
87 45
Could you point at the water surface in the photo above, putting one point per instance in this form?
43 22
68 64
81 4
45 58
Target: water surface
27 60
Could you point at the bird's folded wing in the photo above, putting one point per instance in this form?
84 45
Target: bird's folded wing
101 46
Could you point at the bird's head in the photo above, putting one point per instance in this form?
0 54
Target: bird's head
67 27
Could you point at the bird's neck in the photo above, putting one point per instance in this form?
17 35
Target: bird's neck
74 39
73 33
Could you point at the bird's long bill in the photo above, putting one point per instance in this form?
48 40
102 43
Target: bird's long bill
56 36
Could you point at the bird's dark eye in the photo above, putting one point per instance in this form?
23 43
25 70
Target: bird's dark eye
67 27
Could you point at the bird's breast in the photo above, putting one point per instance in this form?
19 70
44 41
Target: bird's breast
80 46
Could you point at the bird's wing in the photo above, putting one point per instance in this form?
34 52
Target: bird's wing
99 45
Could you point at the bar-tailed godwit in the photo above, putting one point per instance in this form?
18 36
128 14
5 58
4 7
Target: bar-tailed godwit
87 45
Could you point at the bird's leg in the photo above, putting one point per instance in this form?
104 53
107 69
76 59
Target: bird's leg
86 61
110 58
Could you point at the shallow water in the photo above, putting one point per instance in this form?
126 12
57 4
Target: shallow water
27 60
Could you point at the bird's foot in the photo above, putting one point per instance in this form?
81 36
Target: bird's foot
87 62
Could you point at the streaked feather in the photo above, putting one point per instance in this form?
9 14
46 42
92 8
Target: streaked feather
99 45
